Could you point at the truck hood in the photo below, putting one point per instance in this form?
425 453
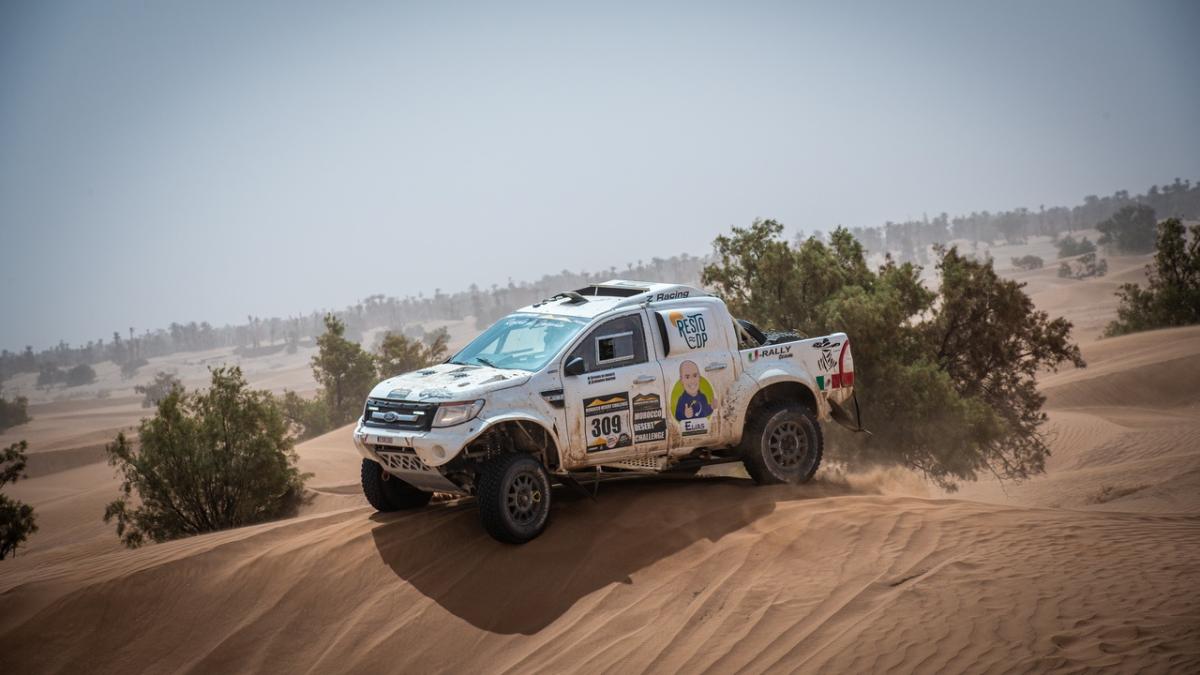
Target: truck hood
449 382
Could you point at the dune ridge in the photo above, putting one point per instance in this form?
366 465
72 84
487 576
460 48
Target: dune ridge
732 577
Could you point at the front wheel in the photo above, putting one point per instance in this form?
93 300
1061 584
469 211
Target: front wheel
782 444
514 498
385 492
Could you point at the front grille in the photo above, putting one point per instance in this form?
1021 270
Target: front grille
408 415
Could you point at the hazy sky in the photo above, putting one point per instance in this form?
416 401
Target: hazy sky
165 161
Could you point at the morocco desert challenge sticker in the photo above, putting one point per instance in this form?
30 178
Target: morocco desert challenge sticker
649 425
606 421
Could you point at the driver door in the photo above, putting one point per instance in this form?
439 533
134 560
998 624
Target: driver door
615 406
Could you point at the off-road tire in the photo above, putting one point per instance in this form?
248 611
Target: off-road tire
387 493
782 444
514 498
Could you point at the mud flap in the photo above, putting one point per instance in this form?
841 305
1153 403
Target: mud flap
845 416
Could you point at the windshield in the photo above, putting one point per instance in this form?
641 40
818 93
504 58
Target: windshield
520 341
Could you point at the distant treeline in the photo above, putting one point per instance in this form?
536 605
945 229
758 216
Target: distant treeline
264 335
907 241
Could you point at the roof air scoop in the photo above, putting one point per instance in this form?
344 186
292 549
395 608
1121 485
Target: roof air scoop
573 297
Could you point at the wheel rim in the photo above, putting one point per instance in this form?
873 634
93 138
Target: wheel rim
787 446
524 498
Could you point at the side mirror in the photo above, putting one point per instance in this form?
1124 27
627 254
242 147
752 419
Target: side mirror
575 366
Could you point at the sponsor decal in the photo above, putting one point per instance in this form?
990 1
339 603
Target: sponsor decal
402 441
696 427
606 421
825 343
673 295
602 377
826 362
777 352
692 399
691 328
648 422
844 363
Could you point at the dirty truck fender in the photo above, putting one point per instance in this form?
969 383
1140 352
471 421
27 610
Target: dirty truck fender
747 387
436 449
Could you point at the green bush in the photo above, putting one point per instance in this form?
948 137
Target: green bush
1172 297
308 416
1028 262
207 460
17 521
14 412
1068 247
80 375
945 378
49 375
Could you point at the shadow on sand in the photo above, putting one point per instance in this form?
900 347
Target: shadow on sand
444 553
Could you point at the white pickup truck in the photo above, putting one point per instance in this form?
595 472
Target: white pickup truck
623 376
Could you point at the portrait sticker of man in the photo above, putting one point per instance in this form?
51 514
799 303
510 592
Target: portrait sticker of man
693 401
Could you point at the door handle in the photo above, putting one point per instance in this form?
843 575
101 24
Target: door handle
644 379
714 366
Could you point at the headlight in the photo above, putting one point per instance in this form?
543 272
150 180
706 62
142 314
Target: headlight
449 414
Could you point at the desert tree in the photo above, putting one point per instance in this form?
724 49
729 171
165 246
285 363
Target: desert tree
1130 230
345 371
946 376
17 520
1172 295
13 412
207 460
158 388
1028 262
399 354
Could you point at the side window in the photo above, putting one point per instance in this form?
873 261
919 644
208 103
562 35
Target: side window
613 344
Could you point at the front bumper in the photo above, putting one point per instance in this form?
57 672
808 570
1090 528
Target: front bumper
414 456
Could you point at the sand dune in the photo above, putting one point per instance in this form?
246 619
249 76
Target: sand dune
675 576
1090 567
1125 431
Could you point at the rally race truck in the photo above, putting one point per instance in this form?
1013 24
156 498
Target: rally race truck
623 377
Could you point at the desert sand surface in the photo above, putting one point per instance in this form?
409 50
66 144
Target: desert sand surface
1093 566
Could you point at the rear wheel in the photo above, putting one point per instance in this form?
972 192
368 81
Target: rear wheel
782 444
514 498
385 492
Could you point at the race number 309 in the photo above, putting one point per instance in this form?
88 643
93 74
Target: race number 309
607 425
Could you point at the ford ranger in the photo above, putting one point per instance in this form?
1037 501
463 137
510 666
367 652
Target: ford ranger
623 376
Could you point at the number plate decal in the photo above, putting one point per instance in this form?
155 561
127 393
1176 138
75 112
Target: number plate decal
606 422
